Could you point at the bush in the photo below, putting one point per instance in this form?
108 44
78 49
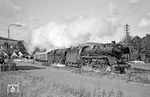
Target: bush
45 64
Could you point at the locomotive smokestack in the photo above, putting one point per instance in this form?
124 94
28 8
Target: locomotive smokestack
113 42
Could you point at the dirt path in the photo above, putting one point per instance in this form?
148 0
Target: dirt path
79 81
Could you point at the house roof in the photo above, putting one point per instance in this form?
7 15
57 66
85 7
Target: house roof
3 38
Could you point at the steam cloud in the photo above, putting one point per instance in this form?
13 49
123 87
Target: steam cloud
81 30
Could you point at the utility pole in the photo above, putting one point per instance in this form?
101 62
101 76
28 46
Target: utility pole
127 32
127 40
9 53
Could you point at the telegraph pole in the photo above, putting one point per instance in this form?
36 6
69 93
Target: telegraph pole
127 40
9 53
127 32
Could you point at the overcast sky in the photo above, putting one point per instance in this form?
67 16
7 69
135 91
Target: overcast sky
34 14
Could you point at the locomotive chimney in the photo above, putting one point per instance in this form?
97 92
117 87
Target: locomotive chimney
113 42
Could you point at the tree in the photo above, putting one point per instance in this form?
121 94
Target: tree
44 50
139 47
136 43
21 48
145 46
6 46
36 49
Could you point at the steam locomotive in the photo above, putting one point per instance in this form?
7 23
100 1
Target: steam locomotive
93 55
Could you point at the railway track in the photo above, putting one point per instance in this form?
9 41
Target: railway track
131 70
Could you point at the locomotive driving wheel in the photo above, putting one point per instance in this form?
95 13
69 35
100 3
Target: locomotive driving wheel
101 65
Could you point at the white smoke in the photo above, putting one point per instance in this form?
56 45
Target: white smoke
81 30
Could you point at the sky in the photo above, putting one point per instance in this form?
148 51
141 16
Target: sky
42 16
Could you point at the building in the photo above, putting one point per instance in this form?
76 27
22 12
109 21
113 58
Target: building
14 44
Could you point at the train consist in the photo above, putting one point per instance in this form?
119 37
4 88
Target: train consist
98 56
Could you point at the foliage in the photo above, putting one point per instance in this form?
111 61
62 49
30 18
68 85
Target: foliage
21 47
140 47
38 49
12 47
5 46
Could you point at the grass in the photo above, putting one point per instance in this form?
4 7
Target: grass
138 76
135 76
33 86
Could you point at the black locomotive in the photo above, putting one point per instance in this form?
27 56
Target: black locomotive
93 55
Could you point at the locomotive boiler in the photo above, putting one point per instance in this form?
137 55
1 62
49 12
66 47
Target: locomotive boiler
98 50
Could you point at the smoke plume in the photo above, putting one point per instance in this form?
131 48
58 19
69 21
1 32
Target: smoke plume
58 35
